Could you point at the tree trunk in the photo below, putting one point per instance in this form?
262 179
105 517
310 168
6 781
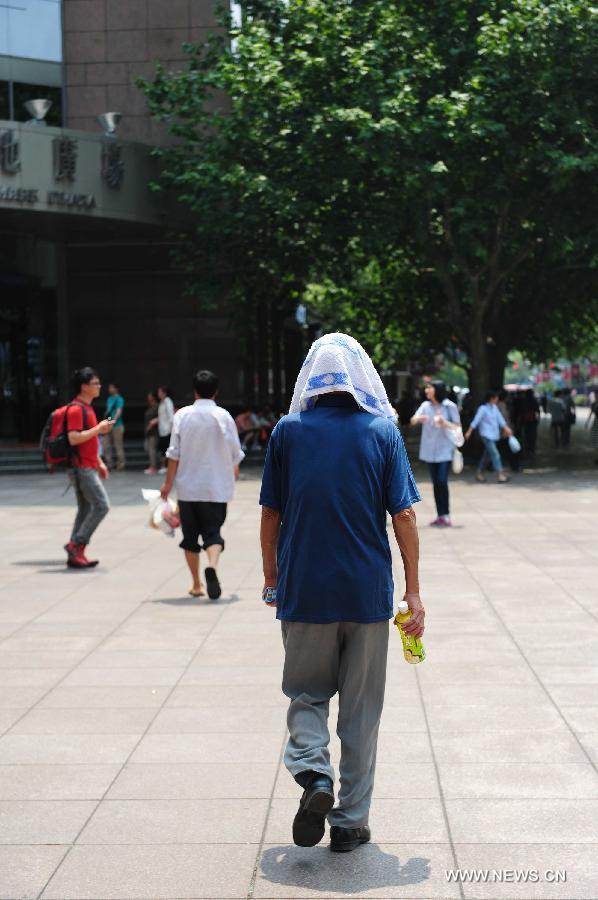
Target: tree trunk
488 359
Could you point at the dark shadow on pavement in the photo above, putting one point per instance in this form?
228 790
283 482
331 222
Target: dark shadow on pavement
196 601
317 869
39 562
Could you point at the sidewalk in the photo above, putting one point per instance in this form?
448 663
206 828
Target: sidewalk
143 731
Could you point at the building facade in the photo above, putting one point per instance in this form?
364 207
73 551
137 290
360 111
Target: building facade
86 272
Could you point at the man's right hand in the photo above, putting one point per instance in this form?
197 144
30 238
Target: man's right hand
105 426
415 624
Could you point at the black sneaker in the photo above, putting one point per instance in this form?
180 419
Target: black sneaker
213 585
343 840
315 804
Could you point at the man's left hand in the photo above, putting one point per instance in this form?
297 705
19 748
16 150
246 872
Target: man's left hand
415 624
103 471
165 490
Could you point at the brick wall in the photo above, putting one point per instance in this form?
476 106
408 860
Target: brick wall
108 43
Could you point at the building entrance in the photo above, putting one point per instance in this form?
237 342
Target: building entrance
28 363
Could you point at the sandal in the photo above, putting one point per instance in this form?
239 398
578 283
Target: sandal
199 593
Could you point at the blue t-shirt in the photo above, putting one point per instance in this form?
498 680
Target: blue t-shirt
332 473
115 402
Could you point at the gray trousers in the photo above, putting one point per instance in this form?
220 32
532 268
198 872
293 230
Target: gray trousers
321 660
113 444
92 503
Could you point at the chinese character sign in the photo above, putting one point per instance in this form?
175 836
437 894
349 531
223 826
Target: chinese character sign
65 158
10 156
113 167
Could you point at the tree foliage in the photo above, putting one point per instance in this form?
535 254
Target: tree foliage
429 167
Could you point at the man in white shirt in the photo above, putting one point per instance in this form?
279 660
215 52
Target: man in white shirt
203 463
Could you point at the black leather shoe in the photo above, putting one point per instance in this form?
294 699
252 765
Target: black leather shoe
315 804
343 840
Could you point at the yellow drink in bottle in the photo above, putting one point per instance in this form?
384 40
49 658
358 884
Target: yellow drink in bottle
413 649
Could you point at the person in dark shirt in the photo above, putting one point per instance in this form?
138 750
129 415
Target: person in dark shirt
335 466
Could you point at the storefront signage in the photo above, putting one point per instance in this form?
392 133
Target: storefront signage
53 198
59 170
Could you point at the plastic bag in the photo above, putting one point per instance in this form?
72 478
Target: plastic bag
457 463
164 515
514 445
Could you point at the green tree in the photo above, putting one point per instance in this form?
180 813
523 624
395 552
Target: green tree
459 139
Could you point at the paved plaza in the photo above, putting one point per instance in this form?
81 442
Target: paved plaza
142 731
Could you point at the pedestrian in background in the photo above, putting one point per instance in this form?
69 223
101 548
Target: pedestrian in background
203 464
165 420
509 408
334 467
113 442
490 423
530 415
150 430
87 468
593 426
556 409
438 415
570 416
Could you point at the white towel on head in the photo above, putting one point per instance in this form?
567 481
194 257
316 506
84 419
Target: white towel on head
337 362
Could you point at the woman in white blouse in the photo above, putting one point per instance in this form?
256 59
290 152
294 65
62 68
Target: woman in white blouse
437 414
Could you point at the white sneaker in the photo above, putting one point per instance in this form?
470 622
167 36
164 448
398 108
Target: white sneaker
150 471
162 471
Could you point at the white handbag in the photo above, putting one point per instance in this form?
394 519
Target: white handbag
457 464
456 436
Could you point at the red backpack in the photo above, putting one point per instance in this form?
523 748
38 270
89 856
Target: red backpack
54 441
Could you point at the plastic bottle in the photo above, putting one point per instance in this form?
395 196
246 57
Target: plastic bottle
413 649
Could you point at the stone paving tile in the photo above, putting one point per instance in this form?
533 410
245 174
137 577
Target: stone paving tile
127 677
176 822
518 821
66 748
465 719
42 822
55 782
105 697
9 716
223 696
84 721
376 870
194 720
27 677
205 748
156 872
25 870
233 675
519 780
578 861
185 781
133 659
508 746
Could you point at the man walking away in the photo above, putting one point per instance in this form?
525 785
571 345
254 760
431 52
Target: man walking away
557 411
114 441
203 462
334 467
87 469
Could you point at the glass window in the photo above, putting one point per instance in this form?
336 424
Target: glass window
31 29
23 92
4 100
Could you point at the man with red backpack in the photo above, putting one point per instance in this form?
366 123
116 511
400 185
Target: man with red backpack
86 468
